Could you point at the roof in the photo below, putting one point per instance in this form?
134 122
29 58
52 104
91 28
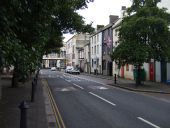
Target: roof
104 28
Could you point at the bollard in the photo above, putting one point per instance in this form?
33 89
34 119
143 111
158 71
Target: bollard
115 79
23 118
33 91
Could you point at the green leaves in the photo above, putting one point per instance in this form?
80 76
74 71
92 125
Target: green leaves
30 28
144 35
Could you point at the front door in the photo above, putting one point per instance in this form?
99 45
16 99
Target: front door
151 71
163 71
122 72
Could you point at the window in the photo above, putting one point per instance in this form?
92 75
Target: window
94 39
92 50
97 49
97 62
73 49
116 42
97 37
116 32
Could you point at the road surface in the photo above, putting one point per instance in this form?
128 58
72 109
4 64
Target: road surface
87 103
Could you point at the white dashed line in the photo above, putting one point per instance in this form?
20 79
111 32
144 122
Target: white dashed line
78 86
102 99
155 126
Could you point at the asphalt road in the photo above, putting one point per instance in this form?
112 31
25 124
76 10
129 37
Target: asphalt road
88 103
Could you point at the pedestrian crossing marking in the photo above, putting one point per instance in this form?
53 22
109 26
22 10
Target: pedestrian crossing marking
98 87
66 89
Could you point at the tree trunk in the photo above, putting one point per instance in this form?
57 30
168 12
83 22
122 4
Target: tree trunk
15 77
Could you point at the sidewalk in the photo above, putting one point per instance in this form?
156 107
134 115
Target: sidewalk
147 86
11 99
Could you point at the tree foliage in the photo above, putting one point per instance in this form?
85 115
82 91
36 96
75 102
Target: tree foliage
144 34
31 28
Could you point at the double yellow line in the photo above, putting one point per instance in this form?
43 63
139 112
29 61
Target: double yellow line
59 120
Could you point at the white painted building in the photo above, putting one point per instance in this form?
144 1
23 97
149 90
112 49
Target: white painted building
115 28
96 52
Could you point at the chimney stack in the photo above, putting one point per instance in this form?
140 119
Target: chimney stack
123 10
100 27
113 18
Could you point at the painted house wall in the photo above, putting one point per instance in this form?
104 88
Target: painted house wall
128 71
96 52
87 58
69 52
115 44
146 68
157 71
81 41
168 71
115 69
72 48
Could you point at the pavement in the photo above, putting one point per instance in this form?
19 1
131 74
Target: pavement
12 98
40 113
146 86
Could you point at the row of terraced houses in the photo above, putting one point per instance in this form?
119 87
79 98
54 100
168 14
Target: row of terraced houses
91 54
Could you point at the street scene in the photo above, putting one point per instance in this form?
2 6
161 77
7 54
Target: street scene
87 102
85 64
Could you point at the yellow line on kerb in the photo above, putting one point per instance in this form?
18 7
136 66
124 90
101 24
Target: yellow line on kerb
54 107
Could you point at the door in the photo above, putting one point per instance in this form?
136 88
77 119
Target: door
110 69
163 71
151 71
122 72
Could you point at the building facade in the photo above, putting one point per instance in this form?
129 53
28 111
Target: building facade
107 46
75 50
87 67
154 70
96 52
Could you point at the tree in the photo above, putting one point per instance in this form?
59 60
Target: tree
144 35
31 28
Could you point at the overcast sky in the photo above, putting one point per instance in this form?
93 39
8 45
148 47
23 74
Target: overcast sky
98 12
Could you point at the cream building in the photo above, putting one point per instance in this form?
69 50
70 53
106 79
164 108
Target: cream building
75 50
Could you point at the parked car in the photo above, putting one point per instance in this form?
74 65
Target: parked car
75 71
68 69
53 68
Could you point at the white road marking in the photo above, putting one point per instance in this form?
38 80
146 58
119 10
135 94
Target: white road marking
155 126
102 99
98 87
78 86
66 89
67 80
